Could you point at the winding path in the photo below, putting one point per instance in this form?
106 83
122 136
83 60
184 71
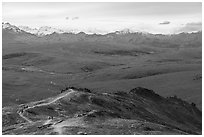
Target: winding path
43 104
25 118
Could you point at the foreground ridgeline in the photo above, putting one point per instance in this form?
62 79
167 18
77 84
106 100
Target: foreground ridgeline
82 111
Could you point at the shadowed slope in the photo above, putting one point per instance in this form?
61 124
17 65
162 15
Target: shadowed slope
81 111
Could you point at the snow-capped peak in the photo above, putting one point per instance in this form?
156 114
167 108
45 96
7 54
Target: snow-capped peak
28 29
8 26
45 30
48 30
124 31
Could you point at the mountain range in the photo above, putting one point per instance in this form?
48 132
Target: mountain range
46 30
45 34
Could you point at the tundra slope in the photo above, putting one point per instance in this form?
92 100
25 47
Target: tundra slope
81 111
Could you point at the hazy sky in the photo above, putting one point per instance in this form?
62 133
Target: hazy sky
107 17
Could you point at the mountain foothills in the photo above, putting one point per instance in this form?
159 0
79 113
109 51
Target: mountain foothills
122 82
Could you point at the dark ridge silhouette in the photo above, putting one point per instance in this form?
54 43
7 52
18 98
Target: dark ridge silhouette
146 93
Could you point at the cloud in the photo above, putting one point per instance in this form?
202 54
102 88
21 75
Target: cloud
72 18
75 18
165 23
191 27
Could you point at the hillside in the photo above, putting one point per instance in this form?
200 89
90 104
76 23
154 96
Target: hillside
81 111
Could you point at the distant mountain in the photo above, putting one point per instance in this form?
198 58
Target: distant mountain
13 34
124 31
44 34
9 27
42 31
28 29
48 30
